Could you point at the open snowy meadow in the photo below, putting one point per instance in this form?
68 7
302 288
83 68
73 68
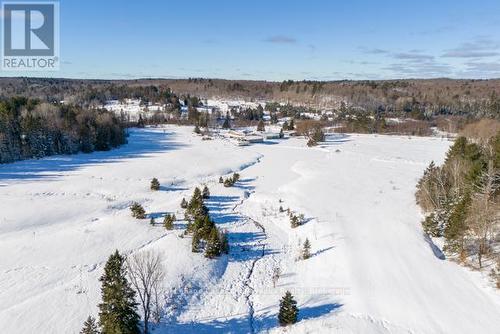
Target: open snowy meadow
372 270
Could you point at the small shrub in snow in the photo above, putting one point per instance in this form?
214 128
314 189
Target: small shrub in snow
229 182
152 221
137 211
197 129
184 203
221 180
155 185
296 220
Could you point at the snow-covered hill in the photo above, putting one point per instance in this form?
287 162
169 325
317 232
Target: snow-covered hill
372 269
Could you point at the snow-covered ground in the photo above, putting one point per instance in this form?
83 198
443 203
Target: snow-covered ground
372 269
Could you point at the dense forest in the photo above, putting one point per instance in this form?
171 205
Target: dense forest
472 98
30 128
461 198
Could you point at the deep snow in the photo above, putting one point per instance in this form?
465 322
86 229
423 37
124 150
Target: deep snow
372 269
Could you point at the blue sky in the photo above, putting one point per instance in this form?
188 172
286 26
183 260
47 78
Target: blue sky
278 40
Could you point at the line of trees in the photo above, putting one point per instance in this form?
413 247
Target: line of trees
205 235
461 198
32 129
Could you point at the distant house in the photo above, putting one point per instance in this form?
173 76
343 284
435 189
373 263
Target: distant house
245 138
271 135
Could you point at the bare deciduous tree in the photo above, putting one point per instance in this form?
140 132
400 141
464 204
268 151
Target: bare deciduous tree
484 211
276 275
146 275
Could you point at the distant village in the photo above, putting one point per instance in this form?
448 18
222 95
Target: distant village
133 109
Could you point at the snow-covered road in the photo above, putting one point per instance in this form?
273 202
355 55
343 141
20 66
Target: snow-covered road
372 270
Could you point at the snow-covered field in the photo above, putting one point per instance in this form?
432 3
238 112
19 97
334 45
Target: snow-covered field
372 269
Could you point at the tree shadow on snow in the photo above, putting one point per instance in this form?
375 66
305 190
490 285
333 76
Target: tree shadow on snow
245 184
435 249
335 139
141 143
261 323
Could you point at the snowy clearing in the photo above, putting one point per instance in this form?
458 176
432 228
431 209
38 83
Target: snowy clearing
372 269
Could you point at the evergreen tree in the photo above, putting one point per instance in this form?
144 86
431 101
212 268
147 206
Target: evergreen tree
168 221
226 124
291 126
221 180
137 211
224 243
184 203
206 192
155 185
306 251
90 326
288 312
456 229
214 246
118 310
195 242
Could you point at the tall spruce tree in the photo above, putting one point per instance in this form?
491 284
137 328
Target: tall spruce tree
214 245
306 251
288 312
118 310
90 326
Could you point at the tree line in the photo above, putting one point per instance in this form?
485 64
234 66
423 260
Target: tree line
461 198
30 128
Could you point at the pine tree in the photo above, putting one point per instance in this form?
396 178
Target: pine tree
137 211
184 203
306 251
90 326
213 244
288 312
236 177
206 192
168 221
456 229
224 243
195 242
118 310
155 185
